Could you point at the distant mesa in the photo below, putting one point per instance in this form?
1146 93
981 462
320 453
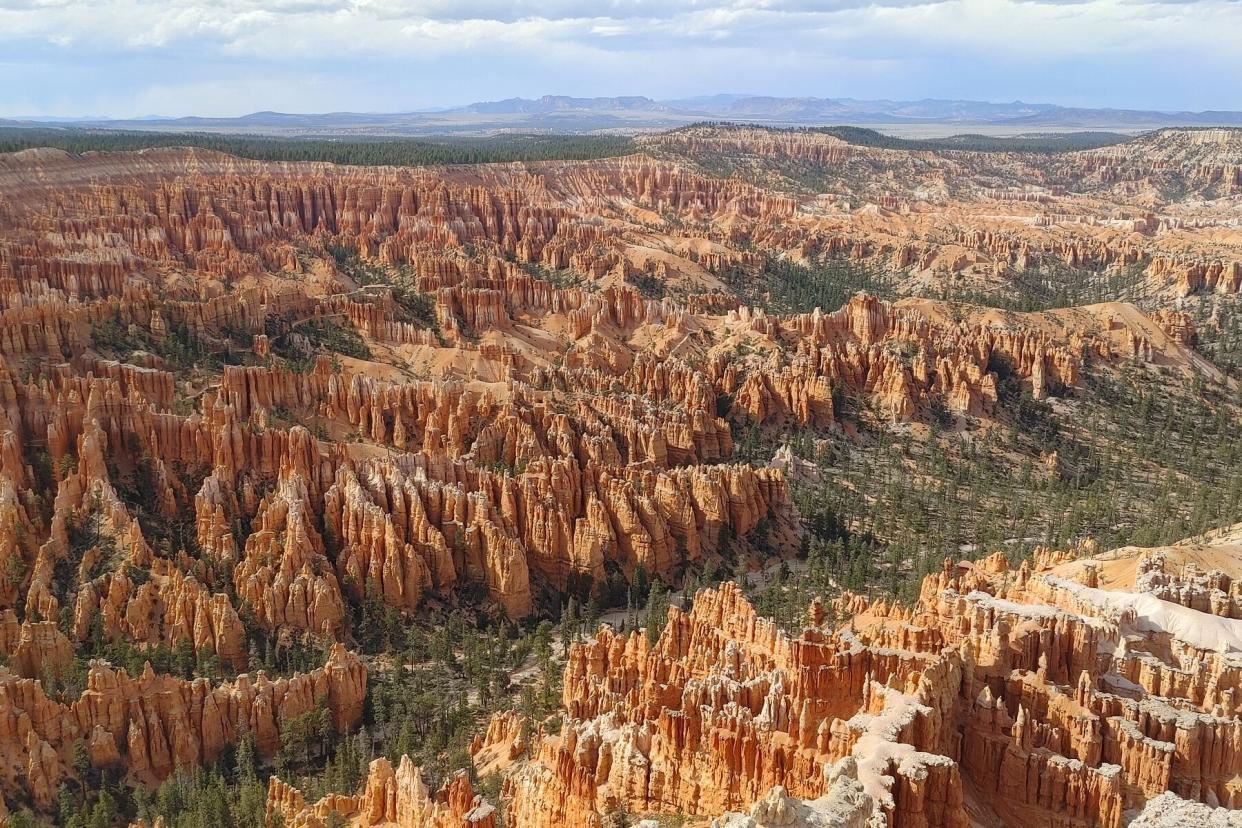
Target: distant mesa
564 113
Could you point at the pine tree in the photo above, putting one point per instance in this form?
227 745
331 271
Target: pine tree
656 610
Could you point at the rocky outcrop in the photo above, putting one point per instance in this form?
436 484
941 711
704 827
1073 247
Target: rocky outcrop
154 724
1039 699
724 708
845 805
1211 591
245 400
1139 208
228 219
284 574
899 358
168 608
1179 325
389 798
33 649
603 480
489 492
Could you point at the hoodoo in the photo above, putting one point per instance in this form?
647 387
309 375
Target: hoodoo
1022 697
722 477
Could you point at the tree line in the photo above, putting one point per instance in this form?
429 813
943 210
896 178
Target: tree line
356 151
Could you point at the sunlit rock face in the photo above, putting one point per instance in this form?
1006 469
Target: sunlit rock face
1066 692
242 398
389 797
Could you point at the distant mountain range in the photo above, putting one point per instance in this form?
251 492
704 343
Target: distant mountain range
561 113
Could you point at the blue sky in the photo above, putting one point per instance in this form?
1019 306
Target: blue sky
126 58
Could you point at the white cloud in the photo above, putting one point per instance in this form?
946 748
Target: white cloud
658 47
368 26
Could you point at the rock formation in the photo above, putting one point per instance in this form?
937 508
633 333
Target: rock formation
240 401
389 798
154 724
977 216
1023 695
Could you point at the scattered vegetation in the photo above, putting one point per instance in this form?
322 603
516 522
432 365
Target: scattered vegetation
1138 458
1219 334
180 349
784 286
561 279
1054 285
413 305
337 336
649 285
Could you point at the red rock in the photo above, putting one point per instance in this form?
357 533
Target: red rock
396 798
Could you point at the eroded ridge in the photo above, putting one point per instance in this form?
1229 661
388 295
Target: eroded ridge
245 405
1028 696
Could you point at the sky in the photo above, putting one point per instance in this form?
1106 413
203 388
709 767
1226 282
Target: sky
132 58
